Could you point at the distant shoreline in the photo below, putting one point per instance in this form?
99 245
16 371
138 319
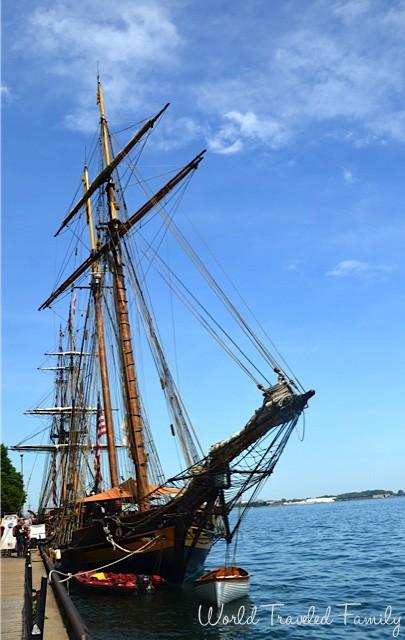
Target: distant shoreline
371 494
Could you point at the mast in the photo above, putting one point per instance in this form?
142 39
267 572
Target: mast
124 329
61 395
77 402
97 295
112 247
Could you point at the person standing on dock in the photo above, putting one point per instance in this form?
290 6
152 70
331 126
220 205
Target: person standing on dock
18 533
26 539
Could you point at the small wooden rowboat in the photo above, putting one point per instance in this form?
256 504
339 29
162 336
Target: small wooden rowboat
223 585
123 582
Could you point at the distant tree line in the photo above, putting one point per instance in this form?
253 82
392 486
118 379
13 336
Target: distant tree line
355 495
12 485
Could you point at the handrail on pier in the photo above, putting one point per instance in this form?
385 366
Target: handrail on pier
33 629
76 628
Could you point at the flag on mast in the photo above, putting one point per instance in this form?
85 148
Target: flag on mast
101 430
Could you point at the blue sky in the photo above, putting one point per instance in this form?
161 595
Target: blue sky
301 197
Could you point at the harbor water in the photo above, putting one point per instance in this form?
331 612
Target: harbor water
323 571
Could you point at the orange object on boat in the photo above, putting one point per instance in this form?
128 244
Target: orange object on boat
223 585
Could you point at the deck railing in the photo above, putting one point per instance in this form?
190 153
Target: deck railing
34 604
76 628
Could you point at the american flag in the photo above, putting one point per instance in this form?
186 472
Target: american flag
101 425
101 430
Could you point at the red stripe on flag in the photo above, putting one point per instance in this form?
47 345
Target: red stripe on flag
101 430
101 424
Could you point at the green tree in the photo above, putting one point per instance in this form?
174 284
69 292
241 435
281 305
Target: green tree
12 485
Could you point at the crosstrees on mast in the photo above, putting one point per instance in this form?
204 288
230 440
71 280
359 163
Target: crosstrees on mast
123 228
105 174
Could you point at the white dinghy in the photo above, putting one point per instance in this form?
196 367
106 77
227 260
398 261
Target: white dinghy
223 585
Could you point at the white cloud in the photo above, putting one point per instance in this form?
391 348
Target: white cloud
335 63
125 39
221 144
349 267
5 92
348 176
358 268
340 68
239 129
118 33
349 10
177 132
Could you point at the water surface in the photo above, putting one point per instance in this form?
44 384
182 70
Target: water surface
300 556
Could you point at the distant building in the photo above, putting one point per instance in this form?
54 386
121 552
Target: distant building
313 500
287 503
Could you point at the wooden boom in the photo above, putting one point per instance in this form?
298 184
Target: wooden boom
107 171
124 227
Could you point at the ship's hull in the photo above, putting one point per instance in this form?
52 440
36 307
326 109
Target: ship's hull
173 539
161 551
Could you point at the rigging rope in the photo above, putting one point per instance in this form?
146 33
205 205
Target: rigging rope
302 437
204 321
175 404
243 300
217 289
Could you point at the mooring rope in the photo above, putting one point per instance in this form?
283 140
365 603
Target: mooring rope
110 539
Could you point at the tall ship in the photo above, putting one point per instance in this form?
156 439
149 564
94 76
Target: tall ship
105 497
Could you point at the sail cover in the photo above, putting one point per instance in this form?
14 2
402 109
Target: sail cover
127 489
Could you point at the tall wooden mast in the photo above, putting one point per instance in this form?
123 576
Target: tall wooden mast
61 392
134 415
97 296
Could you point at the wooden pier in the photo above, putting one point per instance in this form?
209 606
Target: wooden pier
12 600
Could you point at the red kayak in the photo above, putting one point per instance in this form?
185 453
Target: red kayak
124 582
